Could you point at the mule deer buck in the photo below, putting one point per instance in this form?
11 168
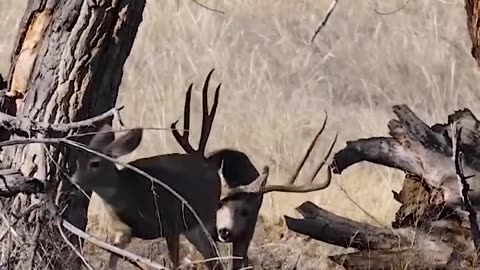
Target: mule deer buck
238 211
146 210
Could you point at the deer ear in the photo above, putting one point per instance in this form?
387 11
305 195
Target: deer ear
125 144
102 139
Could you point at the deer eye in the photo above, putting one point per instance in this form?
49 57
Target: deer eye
244 213
95 164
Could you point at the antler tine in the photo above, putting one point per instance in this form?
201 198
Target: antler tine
324 160
182 139
309 187
299 189
207 118
294 176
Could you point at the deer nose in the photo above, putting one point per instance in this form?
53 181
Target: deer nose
224 234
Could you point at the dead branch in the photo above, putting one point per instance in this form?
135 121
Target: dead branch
207 7
325 20
330 228
376 10
418 149
13 182
472 214
379 247
72 246
110 248
25 127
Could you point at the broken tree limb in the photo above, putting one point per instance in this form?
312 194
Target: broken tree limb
13 182
378 150
425 151
330 228
379 247
472 214
24 126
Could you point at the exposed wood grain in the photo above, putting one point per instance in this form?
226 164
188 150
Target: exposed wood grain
67 54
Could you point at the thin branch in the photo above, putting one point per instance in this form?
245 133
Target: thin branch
458 159
25 126
207 8
26 185
110 248
359 206
210 260
325 20
35 239
376 10
72 246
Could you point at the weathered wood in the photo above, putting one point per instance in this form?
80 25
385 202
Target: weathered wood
12 183
430 245
67 54
330 228
416 148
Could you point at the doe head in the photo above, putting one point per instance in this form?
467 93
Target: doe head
93 171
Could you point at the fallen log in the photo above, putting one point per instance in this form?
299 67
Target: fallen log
426 247
425 151
431 222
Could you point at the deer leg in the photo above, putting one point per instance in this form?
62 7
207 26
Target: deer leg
198 238
173 244
240 249
121 240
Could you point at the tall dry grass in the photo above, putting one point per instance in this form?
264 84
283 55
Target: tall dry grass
276 85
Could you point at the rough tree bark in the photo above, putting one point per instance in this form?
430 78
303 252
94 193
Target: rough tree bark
66 66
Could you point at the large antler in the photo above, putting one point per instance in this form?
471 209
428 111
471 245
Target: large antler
259 185
207 119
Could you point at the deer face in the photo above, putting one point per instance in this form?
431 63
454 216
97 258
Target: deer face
95 172
237 215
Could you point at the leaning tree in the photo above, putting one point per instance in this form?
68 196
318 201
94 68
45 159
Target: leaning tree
436 226
65 71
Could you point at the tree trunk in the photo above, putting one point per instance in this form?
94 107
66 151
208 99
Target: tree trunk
472 8
68 53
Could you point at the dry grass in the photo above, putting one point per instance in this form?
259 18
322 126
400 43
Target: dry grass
276 85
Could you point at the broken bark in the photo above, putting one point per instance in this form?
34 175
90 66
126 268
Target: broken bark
67 54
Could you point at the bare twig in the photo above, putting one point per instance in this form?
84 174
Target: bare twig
207 8
110 248
376 10
359 206
209 260
458 159
72 246
24 125
35 239
324 22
